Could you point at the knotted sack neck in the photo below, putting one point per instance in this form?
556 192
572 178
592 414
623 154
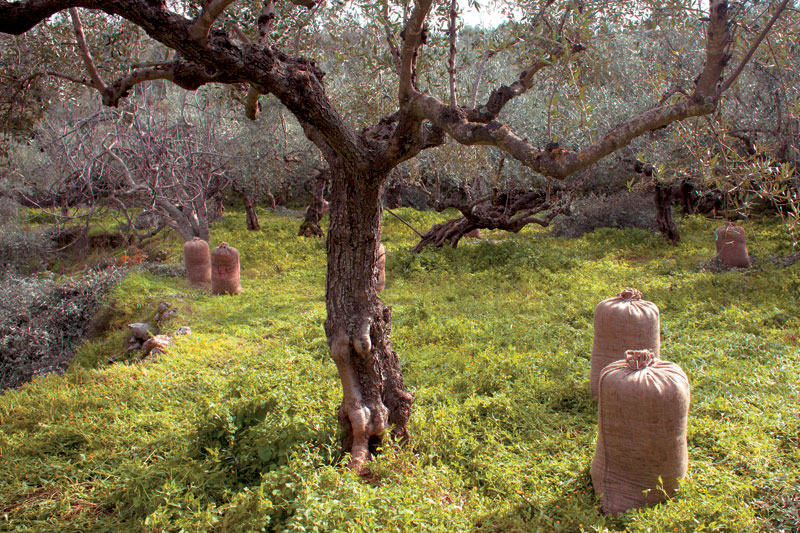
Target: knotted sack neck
630 294
639 359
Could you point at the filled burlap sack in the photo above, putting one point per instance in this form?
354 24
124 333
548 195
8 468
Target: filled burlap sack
732 245
225 270
625 322
198 262
641 448
381 267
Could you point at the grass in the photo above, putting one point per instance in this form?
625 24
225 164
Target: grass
234 428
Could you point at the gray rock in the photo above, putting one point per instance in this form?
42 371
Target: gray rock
142 330
183 330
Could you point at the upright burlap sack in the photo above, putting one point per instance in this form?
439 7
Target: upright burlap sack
625 322
381 267
197 261
225 270
642 419
732 245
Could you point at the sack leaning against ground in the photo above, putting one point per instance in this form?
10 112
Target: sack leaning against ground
642 418
197 261
225 270
624 322
731 244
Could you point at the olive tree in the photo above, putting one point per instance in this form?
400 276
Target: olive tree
375 400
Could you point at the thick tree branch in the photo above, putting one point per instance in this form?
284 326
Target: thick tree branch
180 72
252 106
414 36
451 61
210 13
83 49
502 95
297 83
718 45
265 21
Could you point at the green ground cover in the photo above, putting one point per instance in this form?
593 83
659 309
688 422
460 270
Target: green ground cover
234 429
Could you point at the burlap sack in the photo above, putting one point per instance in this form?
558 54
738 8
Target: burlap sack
732 245
625 322
381 265
642 419
225 270
197 261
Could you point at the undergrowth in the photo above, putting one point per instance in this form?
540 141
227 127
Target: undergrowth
234 427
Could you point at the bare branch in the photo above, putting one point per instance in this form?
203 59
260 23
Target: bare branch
304 3
451 62
390 40
240 34
401 219
83 48
63 76
478 75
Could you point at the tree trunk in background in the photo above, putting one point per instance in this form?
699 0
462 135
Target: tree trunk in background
252 218
358 323
664 222
318 207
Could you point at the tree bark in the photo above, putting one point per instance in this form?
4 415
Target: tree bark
374 400
318 207
252 218
509 210
664 222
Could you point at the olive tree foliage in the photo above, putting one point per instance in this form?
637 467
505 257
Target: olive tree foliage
222 42
749 153
655 55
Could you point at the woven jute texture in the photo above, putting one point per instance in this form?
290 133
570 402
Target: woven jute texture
731 245
641 448
198 262
381 265
225 270
624 322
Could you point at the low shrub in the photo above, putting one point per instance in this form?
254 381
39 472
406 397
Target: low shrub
620 210
42 321
25 250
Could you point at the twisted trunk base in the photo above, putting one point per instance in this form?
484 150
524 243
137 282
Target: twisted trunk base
374 399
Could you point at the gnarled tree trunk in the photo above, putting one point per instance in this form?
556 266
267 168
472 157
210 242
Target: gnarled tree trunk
664 222
318 207
358 324
250 211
